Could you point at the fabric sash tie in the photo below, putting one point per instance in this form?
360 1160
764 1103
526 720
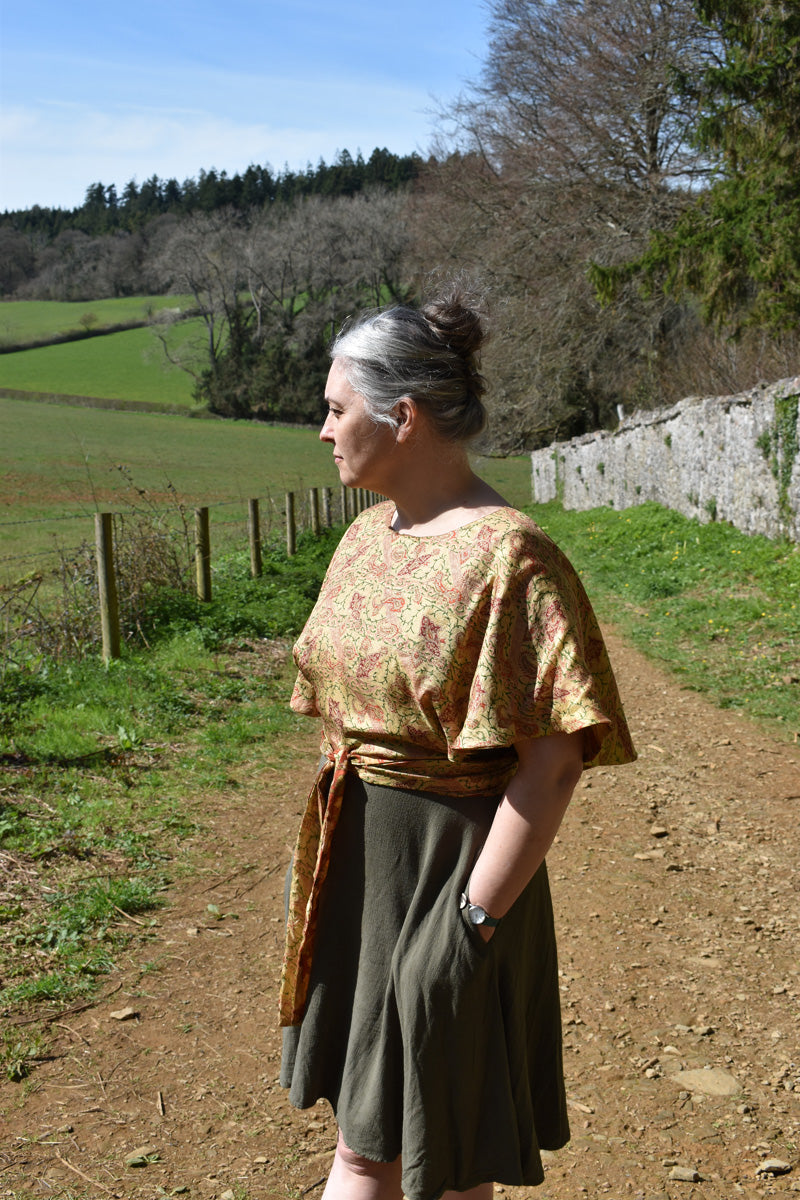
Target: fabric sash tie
309 869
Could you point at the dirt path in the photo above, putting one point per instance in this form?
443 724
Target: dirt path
677 891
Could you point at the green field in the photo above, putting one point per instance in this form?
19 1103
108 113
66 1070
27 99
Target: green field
32 320
124 367
62 463
119 366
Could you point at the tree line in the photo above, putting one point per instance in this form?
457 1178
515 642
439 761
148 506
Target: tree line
105 210
107 245
622 183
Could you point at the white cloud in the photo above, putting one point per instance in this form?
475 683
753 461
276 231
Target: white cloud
51 155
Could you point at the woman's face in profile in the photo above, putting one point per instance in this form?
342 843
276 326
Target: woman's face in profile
362 448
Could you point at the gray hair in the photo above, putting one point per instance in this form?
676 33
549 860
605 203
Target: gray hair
428 354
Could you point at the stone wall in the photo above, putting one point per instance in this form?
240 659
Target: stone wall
723 458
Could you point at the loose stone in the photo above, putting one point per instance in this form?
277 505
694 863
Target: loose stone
142 1156
774 1166
710 1081
685 1175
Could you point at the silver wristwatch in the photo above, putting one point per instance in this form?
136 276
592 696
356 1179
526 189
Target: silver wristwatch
477 915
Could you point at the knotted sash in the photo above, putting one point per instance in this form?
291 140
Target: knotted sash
309 869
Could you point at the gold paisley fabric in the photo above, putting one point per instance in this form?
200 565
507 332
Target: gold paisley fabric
427 659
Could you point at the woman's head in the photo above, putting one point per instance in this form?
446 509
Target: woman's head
429 355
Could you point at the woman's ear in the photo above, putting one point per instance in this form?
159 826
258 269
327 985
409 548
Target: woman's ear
406 418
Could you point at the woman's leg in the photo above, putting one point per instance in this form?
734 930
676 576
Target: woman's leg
355 1178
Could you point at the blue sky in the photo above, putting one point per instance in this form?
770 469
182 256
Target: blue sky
107 91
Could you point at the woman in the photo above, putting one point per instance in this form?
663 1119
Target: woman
463 686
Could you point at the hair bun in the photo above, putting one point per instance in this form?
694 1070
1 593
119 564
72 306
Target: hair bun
428 353
454 317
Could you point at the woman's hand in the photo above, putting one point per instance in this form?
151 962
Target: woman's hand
526 821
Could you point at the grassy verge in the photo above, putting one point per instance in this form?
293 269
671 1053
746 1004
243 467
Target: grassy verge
104 770
719 608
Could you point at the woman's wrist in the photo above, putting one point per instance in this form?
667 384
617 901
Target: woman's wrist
477 914
478 917
483 895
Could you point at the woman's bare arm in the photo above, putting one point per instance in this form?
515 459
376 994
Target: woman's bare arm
526 821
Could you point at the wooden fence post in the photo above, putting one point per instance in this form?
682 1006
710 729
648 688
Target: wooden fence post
326 507
107 584
313 503
254 534
345 514
291 532
202 553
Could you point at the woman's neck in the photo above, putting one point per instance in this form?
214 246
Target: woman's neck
442 499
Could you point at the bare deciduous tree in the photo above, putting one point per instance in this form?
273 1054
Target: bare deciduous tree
570 146
269 287
203 256
590 85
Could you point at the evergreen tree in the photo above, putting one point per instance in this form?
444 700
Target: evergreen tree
737 246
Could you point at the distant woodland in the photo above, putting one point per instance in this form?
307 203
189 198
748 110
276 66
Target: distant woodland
620 183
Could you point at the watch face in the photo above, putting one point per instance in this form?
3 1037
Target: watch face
475 914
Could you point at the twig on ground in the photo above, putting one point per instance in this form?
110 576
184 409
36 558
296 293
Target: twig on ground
74 1032
313 1185
128 916
88 1178
219 882
265 875
67 1012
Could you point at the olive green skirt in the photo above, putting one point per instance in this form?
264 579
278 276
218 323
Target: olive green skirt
428 1042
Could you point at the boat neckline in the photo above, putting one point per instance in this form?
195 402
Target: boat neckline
424 537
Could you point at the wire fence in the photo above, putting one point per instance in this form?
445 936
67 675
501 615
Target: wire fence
273 516
71 597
